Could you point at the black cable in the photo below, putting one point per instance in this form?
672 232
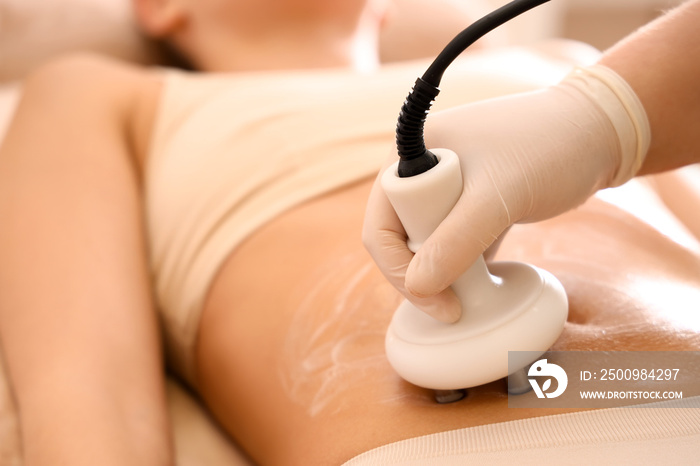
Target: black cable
474 32
414 157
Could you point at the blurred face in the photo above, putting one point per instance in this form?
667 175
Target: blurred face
205 31
249 14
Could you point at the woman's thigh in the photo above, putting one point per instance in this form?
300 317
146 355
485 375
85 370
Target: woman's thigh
291 345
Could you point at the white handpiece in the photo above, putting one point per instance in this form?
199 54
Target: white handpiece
512 307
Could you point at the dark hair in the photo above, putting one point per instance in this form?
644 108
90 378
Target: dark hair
165 53
171 56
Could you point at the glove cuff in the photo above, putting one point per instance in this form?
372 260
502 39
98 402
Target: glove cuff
624 109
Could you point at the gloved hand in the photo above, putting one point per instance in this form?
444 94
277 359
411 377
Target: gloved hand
524 158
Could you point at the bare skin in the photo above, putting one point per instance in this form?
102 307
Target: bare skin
76 314
670 95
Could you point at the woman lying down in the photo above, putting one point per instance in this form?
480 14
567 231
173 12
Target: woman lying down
222 212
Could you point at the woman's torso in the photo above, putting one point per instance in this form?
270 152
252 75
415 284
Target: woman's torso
231 151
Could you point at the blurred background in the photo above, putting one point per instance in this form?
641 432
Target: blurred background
600 23
32 31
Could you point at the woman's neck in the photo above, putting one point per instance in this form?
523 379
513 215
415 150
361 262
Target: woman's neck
289 44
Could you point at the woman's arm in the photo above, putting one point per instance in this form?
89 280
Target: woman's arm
77 322
662 64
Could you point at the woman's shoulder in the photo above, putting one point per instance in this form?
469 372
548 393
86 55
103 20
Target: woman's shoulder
89 72
125 93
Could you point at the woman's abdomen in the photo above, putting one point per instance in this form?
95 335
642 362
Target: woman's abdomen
291 343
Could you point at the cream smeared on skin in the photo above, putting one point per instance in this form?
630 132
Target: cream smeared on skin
335 342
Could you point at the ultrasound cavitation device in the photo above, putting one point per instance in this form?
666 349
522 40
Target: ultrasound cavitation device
508 306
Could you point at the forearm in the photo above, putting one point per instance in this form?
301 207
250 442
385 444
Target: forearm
662 64
78 328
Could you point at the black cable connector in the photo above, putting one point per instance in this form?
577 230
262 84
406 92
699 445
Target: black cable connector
414 157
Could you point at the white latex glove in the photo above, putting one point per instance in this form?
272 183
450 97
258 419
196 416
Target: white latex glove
524 158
